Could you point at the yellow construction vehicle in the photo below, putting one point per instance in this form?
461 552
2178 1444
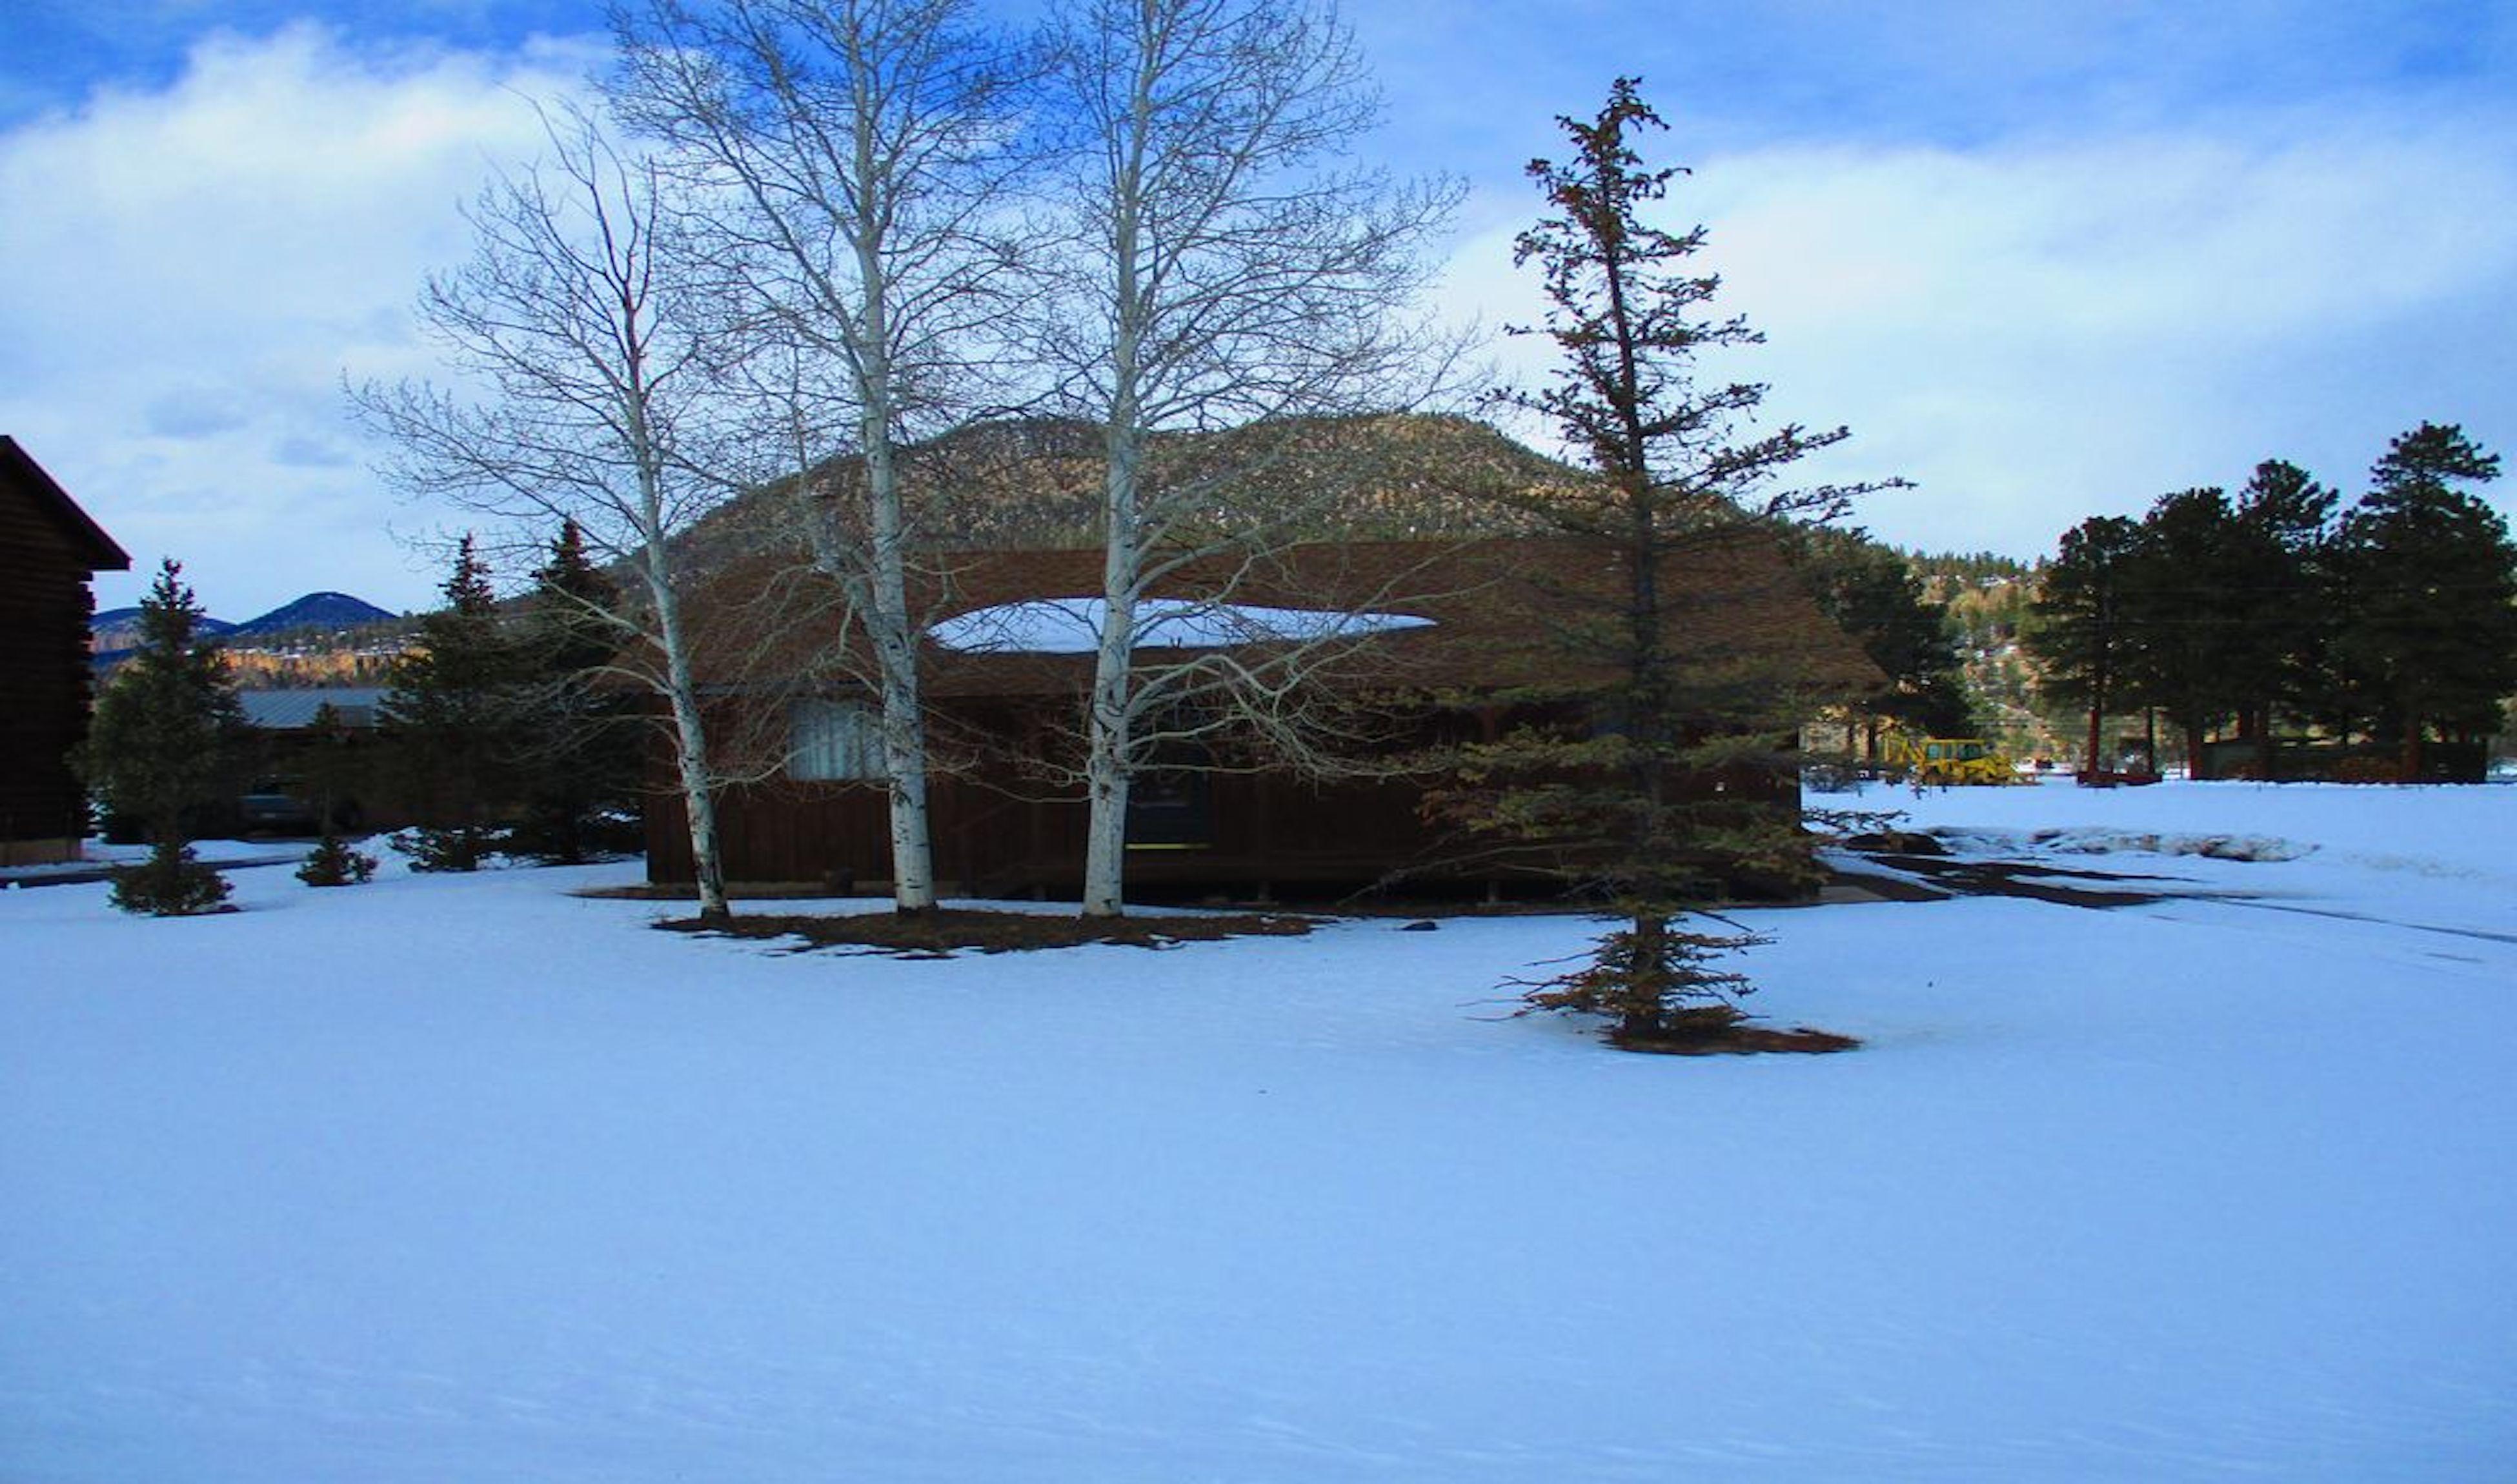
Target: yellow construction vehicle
1941 761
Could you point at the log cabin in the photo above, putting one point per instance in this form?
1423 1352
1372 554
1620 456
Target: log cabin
1389 646
49 550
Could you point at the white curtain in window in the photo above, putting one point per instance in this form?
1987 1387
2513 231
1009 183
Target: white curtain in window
834 742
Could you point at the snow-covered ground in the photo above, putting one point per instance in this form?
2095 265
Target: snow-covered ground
466 1178
99 856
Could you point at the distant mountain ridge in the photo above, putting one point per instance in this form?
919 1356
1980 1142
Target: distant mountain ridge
117 630
323 610
321 639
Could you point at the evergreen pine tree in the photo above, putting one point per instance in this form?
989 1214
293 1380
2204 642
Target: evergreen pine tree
2425 578
332 765
451 721
577 759
331 771
2081 629
1875 595
1669 786
162 744
2290 516
2201 647
333 862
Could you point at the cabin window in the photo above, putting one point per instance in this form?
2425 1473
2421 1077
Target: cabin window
1170 804
834 742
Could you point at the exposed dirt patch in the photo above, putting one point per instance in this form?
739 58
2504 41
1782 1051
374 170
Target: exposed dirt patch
1895 842
1716 1029
2066 886
1736 1040
667 891
941 933
1872 886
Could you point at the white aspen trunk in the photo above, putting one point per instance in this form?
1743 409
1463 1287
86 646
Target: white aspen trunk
904 730
690 734
681 685
1106 764
1105 783
698 792
895 639
879 583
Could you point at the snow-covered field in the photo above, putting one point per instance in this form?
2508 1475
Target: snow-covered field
467 1179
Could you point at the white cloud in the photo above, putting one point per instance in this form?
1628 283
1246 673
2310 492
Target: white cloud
203 264
2040 331
189 413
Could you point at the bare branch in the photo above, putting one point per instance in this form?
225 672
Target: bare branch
572 333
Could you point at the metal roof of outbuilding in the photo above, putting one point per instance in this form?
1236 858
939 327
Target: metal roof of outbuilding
294 711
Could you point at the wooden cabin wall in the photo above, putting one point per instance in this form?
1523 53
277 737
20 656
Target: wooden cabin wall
1270 830
44 680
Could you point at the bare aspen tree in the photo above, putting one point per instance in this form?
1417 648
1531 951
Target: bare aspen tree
569 320
852 154
1222 265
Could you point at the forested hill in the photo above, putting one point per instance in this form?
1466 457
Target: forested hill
1987 594
1016 483
1987 597
1953 570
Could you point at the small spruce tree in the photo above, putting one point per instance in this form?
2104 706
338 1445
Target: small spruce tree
451 720
334 863
160 745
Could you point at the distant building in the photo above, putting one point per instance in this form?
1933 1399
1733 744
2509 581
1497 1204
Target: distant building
49 550
354 707
294 785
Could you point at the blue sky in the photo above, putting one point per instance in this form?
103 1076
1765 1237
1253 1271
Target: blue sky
2046 260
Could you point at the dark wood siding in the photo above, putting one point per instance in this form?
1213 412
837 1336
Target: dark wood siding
1005 836
1485 635
44 607
840 833
1268 833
